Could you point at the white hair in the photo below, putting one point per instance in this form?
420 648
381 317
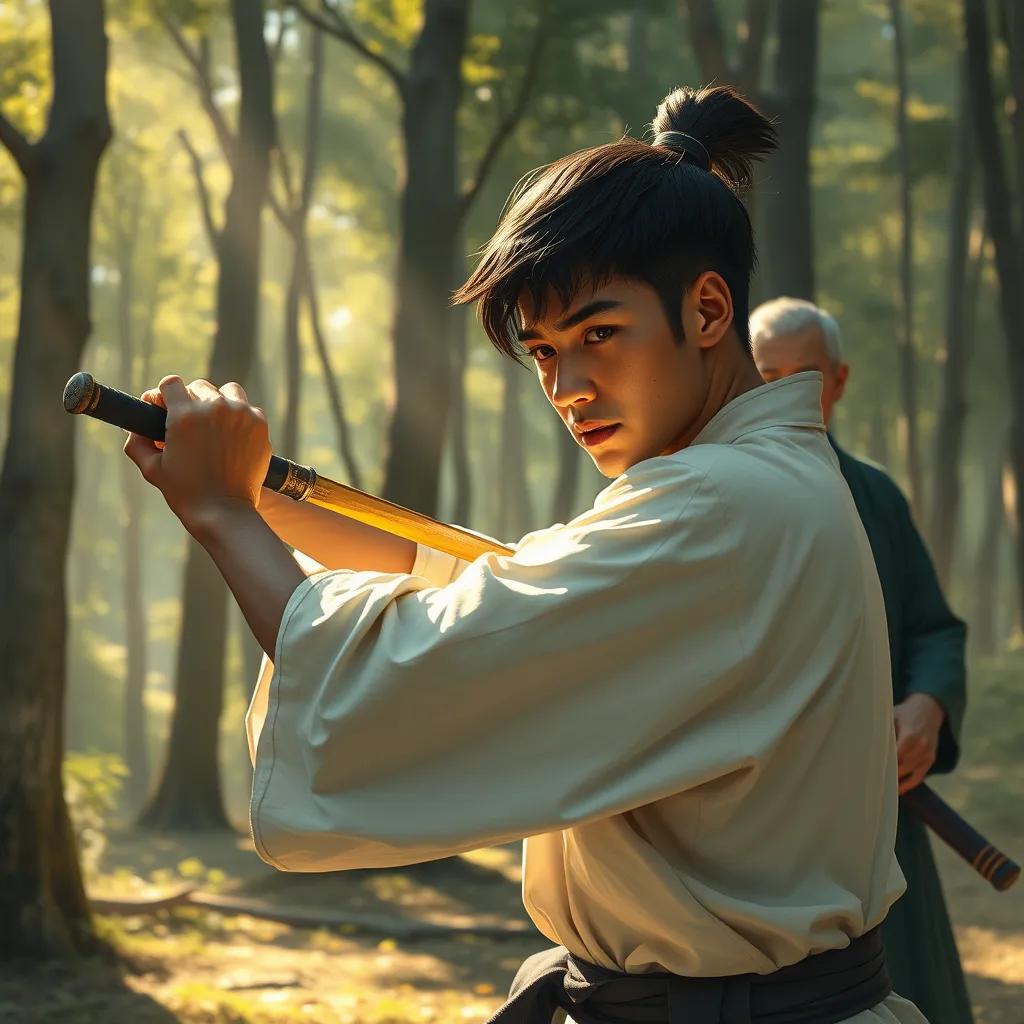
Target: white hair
785 315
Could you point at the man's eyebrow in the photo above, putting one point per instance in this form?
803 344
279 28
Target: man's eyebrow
584 313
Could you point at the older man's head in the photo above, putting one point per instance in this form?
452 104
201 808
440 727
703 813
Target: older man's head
791 335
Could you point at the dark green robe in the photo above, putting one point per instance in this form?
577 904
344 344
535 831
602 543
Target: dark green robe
926 645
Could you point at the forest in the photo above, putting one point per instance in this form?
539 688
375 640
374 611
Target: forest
286 193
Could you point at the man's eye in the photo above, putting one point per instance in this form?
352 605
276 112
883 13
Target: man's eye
541 352
599 334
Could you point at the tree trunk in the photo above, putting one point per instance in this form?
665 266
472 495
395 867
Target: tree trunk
744 71
878 442
136 754
949 429
906 350
42 903
292 360
189 793
514 511
983 633
300 216
1006 239
334 399
1013 35
787 242
429 222
303 263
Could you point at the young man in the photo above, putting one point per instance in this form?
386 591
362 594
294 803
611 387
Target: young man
926 648
669 698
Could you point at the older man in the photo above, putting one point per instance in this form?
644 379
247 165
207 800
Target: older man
926 645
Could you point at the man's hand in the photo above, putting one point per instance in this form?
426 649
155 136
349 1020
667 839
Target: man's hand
215 454
918 721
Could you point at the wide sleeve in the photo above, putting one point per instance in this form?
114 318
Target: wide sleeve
573 680
935 641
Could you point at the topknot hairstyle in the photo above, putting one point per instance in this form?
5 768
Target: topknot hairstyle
649 212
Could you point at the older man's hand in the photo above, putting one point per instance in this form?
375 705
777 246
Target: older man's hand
918 721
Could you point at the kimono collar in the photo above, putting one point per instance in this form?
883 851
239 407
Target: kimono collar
792 402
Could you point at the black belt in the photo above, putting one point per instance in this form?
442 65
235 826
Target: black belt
822 989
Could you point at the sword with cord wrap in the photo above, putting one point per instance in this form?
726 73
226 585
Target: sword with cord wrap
84 395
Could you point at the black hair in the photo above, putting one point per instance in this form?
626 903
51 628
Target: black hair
646 211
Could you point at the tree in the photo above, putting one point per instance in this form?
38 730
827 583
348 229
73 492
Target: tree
127 220
1002 219
293 215
907 352
787 237
743 69
961 292
432 208
188 795
983 634
42 902
783 204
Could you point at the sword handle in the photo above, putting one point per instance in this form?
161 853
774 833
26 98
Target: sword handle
988 860
85 396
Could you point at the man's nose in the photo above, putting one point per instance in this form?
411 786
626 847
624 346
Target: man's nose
571 385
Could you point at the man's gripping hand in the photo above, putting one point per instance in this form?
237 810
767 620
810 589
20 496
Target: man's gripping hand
215 454
918 721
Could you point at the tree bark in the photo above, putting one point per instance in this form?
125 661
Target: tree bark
188 796
787 241
429 220
42 903
1006 239
961 293
983 634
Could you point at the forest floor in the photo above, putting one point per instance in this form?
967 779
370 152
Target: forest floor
200 966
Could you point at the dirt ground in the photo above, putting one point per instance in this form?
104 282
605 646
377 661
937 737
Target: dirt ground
199 966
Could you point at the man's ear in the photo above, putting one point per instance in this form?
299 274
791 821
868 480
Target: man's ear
707 310
842 372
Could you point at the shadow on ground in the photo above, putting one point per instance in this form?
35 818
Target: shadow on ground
89 992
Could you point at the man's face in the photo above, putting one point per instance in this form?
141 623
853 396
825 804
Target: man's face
616 373
786 354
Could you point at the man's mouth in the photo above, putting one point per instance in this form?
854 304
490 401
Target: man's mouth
590 437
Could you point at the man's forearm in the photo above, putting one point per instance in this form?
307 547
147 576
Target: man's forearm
257 567
334 540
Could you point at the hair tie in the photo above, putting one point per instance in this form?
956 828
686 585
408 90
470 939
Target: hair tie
687 145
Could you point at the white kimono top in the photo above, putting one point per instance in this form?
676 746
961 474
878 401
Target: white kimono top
681 699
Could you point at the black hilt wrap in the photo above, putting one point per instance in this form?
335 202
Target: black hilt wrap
84 395
990 862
